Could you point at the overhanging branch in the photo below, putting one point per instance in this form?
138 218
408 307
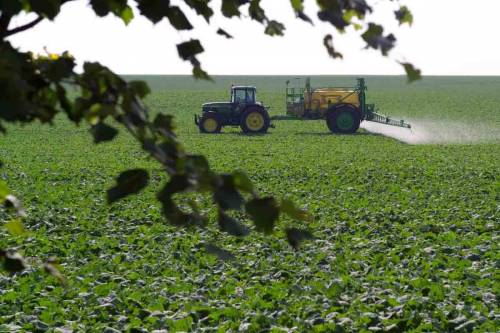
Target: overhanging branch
4 24
23 27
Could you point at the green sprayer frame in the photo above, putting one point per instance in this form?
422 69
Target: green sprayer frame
368 111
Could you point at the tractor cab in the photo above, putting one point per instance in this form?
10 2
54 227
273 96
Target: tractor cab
243 95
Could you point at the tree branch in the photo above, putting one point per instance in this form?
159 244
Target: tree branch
4 24
23 27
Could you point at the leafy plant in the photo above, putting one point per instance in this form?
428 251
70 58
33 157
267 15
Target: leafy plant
407 235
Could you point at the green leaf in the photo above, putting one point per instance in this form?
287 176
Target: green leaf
96 112
437 292
13 262
100 7
60 68
357 26
288 207
176 184
333 11
296 236
334 16
16 227
403 15
224 33
177 19
200 74
274 28
264 212
230 8
328 43
297 5
222 254
102 132
301 15
197 164
128 182
226 195
46 8
164 124
127 15
154 10
66 104
12 7
201 7
175 215
231 225
140 88
4 191
412 73
189 49
348 15
375 39
256 12
53 268
13 202
242 182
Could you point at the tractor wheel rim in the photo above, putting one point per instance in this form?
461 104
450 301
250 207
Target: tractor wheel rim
255 121
345 121
210 125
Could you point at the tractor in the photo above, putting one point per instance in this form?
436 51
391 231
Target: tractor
242 110
343 108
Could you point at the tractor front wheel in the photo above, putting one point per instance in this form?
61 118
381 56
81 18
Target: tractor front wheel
210 123
255 120
344 120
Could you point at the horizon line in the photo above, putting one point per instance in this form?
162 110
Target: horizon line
288 75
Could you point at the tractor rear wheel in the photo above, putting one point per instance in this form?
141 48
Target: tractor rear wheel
255 120
344 119
210 123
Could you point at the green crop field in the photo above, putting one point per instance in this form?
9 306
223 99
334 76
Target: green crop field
406 235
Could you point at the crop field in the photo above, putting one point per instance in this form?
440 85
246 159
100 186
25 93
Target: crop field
406 231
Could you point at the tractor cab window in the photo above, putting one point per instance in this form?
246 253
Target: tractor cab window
239 96
250 96
243 96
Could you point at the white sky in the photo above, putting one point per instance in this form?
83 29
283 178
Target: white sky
448 37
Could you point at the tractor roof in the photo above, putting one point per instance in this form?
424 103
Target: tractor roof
243 87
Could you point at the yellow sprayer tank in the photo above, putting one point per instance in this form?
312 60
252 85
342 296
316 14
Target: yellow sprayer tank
343 108
320 99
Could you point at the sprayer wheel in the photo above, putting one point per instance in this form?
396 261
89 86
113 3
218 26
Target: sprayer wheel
344 119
